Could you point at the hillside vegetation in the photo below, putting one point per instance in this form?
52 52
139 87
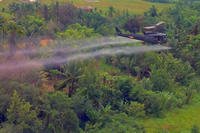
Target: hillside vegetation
175 121
133 6
47 85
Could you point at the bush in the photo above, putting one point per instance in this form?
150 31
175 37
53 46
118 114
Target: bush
195 129
153 102
134 109
195 85
124 84
76 31
112 97
117 123
147 84
170 100
161 80
180 97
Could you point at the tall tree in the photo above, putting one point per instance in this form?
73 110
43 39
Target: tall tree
13 30
69 76
45 12
32 25
111 11
59 117
134 24
153 11
21 114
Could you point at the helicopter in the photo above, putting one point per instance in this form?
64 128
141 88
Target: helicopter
151 34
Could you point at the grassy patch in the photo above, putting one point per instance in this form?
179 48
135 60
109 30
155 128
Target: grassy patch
134 6
175 121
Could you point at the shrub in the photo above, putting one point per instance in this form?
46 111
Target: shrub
76 31
161 80
135 109
195 129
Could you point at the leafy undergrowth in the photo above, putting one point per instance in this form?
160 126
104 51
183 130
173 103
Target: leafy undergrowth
134 6
176 121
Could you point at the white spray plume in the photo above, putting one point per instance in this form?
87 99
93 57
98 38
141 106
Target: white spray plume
38 63
72 46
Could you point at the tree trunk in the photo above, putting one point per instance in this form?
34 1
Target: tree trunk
12 43
71 88
46 12
57 12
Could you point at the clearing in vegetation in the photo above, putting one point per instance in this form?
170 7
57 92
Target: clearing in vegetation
177 120
133 6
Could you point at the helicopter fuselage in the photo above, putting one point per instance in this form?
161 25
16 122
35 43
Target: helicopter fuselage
154 38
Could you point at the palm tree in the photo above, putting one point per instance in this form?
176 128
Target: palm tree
69 75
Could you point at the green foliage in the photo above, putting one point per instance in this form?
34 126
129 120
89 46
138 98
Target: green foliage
195 85
133 24
189 93
32 25
157 102
12 27
153 11
147 84
113 98
93 19
4 19
21 9
175 120
111 11
190 51
177 70
134 109
103 100
106 29
59 115
117 123
21 114
70 76
160 80
154 103
28 94
76 31
85 107
125 85
195 129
